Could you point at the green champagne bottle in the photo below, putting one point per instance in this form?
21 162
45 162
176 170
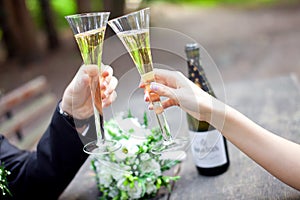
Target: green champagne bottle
209 147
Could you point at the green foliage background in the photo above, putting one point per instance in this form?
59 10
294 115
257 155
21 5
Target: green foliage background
213 3
61 8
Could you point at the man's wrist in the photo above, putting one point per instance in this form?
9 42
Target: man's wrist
77 123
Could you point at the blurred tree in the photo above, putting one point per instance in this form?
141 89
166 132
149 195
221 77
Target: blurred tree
47 17
8 37
83 6
116 9
19 32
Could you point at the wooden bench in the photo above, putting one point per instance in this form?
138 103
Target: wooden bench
25 112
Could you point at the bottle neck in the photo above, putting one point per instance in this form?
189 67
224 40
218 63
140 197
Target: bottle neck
197 74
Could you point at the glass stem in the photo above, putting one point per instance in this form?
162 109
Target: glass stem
159 111
162 121
97 108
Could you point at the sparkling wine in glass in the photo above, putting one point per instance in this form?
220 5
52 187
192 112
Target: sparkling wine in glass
89 30
133 31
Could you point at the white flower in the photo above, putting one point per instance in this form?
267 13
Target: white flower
120 183
129 124
130 145
135 192
129 148
145 156
113 192
112 170
150 188
150 165
118 174
105 177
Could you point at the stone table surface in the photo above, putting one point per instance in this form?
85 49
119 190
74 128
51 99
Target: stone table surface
272 103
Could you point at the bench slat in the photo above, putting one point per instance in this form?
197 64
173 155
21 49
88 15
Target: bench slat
28 114
23 93
30 140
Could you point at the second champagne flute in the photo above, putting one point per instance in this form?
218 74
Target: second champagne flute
133 31
89 30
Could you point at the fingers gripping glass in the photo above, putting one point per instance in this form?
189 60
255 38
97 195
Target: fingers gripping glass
133 31
89 30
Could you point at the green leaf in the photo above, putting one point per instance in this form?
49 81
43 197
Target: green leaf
131 130
142 185
131 185
158 183
145 123
129 115
126 182
116 197
168 164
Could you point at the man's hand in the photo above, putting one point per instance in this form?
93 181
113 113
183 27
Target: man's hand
77 100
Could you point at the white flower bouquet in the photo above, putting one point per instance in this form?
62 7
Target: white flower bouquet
3 180
133 172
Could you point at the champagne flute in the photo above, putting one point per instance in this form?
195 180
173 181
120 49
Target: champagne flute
89 30
133 30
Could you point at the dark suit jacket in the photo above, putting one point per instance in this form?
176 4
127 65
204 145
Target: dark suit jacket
44 174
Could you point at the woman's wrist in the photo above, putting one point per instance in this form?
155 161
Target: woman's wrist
216 113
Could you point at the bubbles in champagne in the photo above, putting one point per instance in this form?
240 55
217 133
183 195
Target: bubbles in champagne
137 43
90 44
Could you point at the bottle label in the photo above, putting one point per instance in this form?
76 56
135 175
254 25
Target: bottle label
208 148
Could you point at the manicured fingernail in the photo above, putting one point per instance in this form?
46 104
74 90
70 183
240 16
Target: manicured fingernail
153 87
150 107
106 93
105 83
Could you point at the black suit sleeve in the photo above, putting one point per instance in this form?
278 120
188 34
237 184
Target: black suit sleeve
44 174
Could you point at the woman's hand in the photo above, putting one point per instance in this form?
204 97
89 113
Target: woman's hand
77 99
180 91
